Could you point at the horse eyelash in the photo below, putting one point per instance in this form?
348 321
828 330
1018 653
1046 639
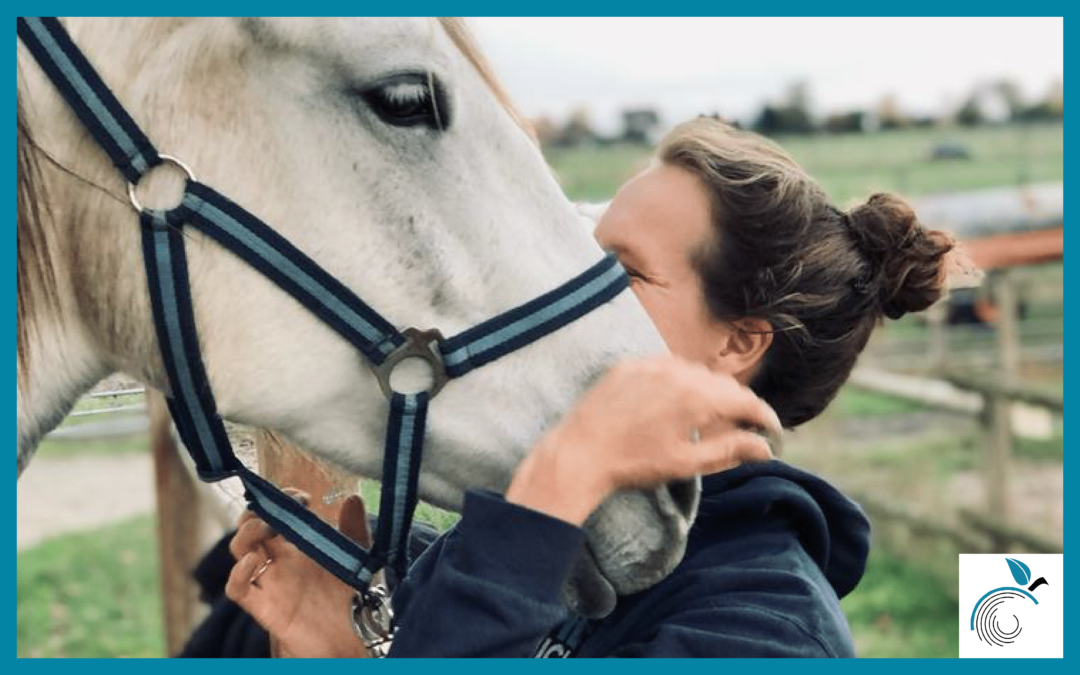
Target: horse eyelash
434 101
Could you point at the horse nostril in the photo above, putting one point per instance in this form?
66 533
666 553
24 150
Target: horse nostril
684 494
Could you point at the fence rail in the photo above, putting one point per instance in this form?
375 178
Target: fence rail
992 401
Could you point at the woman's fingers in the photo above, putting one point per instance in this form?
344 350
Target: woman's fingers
253 532
730 449
729 400
252 529
352 521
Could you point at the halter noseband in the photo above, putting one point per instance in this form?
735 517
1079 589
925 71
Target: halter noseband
191 401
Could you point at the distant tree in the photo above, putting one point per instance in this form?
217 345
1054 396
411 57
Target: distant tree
925 121
989 103
768 121
889 113
1055 98
1009 94
842 123
797 96
639 124
970 113
796 110
792 116
1050 108
577 129
797 120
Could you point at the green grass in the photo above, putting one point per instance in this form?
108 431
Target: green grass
852 402
594 174
853 166
96 594
901 611
1049 450
91 594
425 513
119 445
88 403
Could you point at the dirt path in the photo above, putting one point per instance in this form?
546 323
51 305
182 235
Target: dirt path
60 495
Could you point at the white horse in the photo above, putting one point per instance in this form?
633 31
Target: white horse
385 150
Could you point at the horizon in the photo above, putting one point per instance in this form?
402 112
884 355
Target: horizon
681 66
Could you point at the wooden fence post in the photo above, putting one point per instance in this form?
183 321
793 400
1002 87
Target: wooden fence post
181 519
998 409
937 316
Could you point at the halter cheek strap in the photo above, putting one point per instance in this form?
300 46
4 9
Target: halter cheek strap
191 400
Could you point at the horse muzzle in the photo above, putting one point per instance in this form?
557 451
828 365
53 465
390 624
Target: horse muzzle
634 540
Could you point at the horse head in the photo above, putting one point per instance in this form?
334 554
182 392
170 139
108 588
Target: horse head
384 150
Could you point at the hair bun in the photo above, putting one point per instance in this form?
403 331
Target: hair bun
907 261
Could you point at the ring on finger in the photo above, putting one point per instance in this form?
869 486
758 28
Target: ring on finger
259 572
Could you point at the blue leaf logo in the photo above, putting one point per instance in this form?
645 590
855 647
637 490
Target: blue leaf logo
1020 571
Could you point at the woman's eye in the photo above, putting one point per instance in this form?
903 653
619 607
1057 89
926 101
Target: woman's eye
406 101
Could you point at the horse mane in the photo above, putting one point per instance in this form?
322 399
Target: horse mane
36 287
463 39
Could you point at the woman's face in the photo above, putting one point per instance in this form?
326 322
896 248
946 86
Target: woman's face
654 224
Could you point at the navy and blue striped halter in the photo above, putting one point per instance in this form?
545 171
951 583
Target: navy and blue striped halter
191 400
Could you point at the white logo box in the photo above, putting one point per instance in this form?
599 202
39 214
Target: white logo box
1012 618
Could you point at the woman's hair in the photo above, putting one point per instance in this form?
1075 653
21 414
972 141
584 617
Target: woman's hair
822 278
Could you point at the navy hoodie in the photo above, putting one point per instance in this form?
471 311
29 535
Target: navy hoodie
771 552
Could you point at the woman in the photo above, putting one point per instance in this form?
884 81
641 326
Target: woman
758 284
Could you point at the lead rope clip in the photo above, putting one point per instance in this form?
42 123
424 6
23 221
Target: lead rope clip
373 619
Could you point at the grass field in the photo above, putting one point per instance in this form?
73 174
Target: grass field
853 166
91 594
96 593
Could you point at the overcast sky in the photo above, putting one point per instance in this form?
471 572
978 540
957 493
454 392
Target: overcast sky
686 66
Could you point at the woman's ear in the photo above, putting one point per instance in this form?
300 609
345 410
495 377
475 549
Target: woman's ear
742 348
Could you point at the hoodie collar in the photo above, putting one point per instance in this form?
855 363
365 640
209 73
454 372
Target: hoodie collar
831 527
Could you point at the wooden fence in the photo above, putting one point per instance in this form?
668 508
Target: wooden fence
992 400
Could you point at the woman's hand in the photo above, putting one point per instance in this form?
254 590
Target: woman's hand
304 607
646 422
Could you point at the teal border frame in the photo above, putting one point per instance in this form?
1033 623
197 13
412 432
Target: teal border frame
564 8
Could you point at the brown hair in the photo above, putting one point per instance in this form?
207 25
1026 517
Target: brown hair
821 278
35 285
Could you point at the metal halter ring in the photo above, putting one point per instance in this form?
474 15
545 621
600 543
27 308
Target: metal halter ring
165 159
420 344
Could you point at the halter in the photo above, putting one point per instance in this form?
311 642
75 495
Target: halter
191 400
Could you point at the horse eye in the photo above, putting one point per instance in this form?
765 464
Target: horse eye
406 101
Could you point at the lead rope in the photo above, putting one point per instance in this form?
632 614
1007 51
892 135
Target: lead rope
191 400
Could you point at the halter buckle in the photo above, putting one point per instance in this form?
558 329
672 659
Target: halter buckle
420 344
